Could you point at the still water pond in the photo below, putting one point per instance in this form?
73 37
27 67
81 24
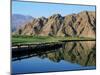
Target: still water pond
77 55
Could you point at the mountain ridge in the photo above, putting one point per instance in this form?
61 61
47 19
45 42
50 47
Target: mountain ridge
18 20
82 24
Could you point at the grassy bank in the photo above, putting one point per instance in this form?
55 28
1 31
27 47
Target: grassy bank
42 39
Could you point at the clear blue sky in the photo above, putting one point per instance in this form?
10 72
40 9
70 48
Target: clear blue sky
46 10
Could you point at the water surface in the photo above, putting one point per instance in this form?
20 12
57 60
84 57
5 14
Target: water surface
76 55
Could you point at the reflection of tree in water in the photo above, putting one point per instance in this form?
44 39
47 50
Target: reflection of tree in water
83 53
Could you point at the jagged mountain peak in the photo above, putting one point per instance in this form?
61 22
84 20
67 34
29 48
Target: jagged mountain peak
42 18
55 16
80 25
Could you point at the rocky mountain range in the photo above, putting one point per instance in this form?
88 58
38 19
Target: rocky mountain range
82 24
18 20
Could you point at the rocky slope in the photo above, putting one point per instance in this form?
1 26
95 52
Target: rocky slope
18 20
82 24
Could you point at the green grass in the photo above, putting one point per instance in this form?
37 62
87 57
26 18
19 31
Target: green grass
16 39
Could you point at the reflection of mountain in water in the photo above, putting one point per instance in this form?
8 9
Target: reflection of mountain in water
82 52
76 52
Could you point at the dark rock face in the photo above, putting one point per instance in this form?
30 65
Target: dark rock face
82 24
